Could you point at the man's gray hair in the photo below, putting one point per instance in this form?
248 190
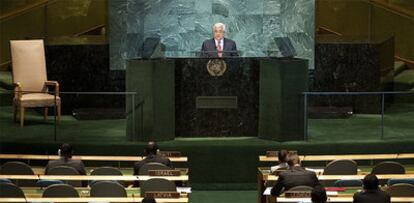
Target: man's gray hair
219 25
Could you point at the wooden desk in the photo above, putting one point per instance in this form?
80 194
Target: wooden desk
85 158
263 175
86 177
92 199
348 177
20 177
349 156
342 199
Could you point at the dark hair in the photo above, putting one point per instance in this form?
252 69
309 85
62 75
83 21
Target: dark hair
151 148
318 195
66 151
293 159
283 156
370 182
148 200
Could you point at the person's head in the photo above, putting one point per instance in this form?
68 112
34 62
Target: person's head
151 148
293 160
66 151
219 29
318 195
370 182
283 156
148 200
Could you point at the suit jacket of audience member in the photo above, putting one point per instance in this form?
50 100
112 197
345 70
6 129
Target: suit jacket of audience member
76 164
368 196
151 158
209 48
295 176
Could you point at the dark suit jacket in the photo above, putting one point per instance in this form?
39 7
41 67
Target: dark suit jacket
209 49
76 164
370 196
295 176
151 158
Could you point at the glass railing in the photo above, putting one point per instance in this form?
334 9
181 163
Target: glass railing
358 116
107 117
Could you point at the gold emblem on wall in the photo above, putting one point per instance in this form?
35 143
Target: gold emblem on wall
216 67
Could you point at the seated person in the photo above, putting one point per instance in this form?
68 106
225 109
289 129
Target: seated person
282 155
318 195
151 153
65 152
371 192
294 176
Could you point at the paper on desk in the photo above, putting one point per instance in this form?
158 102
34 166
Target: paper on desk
184 189
267 191
332 193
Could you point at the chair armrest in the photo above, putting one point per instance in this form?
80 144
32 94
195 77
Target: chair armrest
17 90
55 84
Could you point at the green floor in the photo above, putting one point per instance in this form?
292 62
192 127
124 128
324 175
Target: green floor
398 124
215 163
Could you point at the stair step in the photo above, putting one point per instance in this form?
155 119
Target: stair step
6 80
404 81
399 66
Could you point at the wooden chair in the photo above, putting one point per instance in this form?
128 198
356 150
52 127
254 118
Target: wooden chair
30 79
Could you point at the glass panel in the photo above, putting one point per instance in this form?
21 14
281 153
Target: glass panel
93 117
344 117
35 126
399 117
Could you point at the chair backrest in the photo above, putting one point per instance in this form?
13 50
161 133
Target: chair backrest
18 168
60 190
106 170
152 166
396 181
401 190
348 183
388 167
29 64
157 185
10 190
65 170
341 167
107 189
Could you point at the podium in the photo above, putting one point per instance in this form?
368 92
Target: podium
211 97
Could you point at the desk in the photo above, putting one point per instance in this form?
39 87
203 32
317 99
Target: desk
349 156
342 199
263 174
85 158
92 199
85 177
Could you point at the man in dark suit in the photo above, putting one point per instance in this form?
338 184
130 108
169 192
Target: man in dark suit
371 192
151 153
295 176
65 152
219 46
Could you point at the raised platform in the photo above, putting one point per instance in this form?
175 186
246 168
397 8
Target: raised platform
215 163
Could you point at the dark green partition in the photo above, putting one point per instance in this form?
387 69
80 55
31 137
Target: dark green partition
281 115
153 81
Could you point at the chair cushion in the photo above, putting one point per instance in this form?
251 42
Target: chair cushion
38 100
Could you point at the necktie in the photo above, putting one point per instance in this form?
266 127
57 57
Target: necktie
219 49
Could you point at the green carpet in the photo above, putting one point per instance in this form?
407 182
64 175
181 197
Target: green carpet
215 163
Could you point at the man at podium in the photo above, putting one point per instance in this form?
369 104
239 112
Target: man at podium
219 46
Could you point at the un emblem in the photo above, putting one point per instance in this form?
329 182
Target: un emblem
216 67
